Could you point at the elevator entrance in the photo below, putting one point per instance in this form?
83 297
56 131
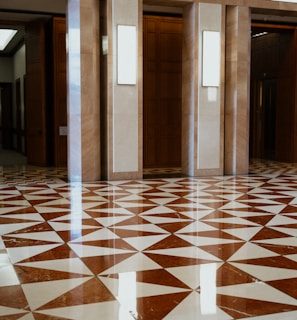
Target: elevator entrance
273 92
162 91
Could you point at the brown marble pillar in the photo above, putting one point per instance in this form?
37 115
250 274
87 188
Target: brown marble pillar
237 90
90 98
83 90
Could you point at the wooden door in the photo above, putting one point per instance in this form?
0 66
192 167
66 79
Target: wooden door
36 94
59 92
162 90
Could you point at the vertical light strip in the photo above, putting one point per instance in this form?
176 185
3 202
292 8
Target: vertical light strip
211 53
74 92
208 294
127 54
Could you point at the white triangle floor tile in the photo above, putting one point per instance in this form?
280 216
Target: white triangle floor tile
206 241
234 205
71 216
191 275
71 265
118 287
24 203
190 309
101 234
243 233
197 215
292 315
91 251
112 220
142 227
264 273
275 209
157 210
197 226
258 291
71 226
53 290
187 252
138 262
251 251
28 316
160 219
292 257
162 201
42 236
6 311
26 216
233 220
45 209
22 253
8 276
105 310
5 210
281 219
290 241
141 243
5 229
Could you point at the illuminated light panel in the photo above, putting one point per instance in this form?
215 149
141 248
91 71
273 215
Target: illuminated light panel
293 1
5 36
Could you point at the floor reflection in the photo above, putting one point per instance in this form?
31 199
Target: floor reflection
169 248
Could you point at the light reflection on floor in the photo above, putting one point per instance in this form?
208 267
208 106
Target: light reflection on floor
168 248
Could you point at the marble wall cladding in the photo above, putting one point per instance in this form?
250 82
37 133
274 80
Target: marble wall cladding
83 97
189 94
125 137
210 105
74 91
90 81
237 90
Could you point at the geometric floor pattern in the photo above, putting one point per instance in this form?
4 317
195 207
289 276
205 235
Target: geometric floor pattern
214 248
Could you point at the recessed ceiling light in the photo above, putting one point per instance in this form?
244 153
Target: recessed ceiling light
5 36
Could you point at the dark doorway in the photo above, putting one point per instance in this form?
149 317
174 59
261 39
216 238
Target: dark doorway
273 92
6 115
162 91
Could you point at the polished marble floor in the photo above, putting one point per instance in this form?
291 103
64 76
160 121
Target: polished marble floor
213 248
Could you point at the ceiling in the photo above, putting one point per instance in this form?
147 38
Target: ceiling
16 13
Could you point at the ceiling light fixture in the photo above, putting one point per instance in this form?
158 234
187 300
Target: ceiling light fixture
5 37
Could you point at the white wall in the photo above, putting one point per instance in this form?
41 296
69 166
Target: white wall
6 67
18 72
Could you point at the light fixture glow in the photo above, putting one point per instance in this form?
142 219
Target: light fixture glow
260 34
5 37
127 54
211 55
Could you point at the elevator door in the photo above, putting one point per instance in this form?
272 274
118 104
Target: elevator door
162 90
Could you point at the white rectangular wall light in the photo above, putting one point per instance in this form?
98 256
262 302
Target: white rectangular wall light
211 54
127 54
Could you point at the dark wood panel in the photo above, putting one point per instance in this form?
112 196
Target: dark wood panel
162 91
36 94
59 90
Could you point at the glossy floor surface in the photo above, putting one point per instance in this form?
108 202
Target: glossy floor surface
212 248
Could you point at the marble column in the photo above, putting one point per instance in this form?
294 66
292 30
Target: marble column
237 90
203 104
83 90
124 100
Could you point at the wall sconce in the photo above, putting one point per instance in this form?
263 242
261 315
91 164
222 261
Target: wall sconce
127 54
211 58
